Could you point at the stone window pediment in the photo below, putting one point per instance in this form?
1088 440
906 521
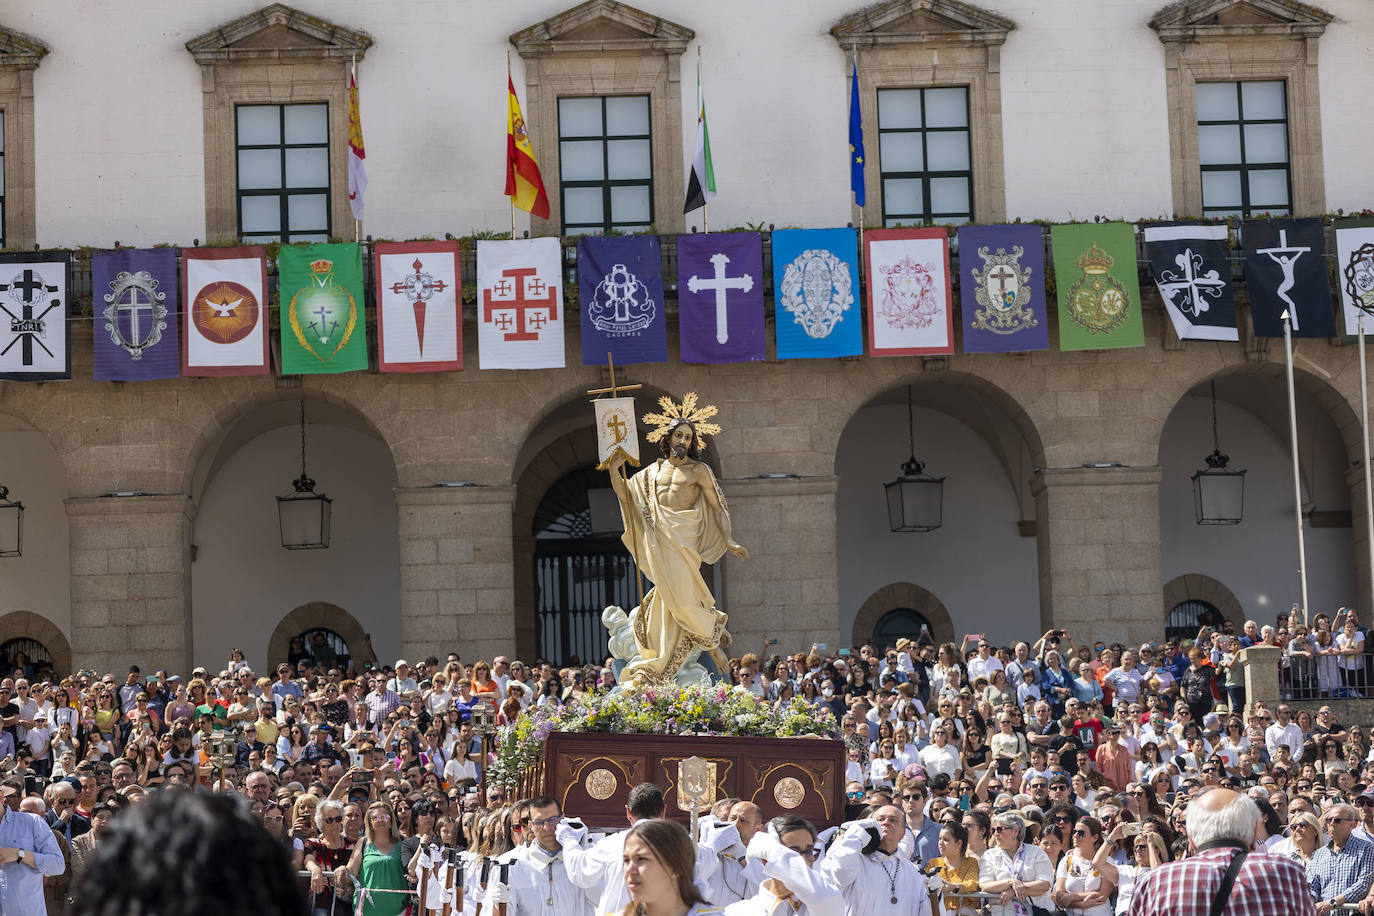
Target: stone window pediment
1200 20
276 55
603 48
20 55
278 31
923 22
931 44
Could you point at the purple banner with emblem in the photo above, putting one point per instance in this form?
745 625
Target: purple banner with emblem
134 291
1002 289
620 279
720 297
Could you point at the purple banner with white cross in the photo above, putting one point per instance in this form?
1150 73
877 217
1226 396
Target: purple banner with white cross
720 297
134 291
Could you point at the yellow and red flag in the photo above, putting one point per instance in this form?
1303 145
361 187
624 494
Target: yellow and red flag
357 175
523 185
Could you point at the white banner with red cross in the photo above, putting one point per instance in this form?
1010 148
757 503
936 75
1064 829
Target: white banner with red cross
520 304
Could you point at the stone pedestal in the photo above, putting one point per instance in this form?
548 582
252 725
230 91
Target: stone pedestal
787 588
1260 668
1098 540
131 582
456 573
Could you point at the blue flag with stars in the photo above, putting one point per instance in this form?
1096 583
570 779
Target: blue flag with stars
856 139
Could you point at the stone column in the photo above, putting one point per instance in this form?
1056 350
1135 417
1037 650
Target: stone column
788 587
456 572
1260 670
131 582
1098 538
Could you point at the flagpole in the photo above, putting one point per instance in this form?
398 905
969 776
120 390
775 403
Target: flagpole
1293 438
861 209
1364 441
706 190
357 223
510 81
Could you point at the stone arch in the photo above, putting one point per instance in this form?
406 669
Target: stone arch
28 625
308 617
208 447
899 595
1198 587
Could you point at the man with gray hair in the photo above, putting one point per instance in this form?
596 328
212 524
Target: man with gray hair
1340 871
1222 825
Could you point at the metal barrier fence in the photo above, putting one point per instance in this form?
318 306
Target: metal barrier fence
968 903
1324 677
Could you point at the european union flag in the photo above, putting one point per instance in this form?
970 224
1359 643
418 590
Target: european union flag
856 139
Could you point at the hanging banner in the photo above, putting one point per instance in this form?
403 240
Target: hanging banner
134 293
35 342
1285 270
815 293
520 304
616 431
224 296
1355 272
1002 289
1192 269
1099 294
419 321
909 311
720 297
323 317
620 279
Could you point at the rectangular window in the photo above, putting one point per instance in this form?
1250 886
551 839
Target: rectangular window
1242 141
283 172
2 179
605 164
924 155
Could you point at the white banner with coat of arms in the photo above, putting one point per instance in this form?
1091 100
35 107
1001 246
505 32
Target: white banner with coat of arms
616 431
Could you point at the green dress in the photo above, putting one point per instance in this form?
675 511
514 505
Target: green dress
383 871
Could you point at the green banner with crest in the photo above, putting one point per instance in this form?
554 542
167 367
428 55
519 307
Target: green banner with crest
323 325
1099 291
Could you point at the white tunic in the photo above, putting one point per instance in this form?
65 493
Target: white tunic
540 886
600 870
870 882
818 897
736 877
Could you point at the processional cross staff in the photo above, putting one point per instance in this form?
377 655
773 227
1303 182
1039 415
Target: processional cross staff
618 428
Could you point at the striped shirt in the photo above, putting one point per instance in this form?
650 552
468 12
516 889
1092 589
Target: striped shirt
1266 886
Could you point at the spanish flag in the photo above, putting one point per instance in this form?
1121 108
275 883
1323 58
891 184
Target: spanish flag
523 185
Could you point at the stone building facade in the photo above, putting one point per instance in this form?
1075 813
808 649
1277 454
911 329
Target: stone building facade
1080 437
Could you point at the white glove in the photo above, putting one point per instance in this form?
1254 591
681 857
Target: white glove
934 884
865 824
568 835
721 837
765 847
497 893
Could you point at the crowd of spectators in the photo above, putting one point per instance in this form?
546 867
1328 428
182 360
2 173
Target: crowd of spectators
1080 759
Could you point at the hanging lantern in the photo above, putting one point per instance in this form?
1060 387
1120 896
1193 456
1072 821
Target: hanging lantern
11 525
304 514
915 500
1218 490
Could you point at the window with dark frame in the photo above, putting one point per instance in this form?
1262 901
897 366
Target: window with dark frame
925 155
283 172
605 164
1243 148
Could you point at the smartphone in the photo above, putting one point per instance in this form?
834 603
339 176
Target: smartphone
964 802
1130 829
844 651
1003 766
773 641
362 779
821 647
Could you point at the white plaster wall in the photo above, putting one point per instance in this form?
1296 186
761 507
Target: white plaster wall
244 582
119 131
1257 559
976 564
40 580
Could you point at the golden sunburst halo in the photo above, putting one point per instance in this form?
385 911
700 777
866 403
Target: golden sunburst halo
674 413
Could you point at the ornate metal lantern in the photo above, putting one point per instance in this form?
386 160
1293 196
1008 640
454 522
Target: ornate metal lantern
915 500
304 514
11 525
1218 490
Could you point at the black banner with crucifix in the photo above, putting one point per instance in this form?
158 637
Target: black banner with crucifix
35 343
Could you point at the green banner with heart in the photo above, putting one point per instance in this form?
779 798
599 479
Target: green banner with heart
323 325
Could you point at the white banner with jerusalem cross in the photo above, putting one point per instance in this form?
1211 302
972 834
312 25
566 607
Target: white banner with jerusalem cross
520 304
616 431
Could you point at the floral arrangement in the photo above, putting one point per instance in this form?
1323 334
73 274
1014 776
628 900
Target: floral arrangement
697 710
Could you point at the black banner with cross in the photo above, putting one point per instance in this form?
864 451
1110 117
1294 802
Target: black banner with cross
35 341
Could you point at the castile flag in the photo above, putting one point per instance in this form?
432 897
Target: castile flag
524 186
357 175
